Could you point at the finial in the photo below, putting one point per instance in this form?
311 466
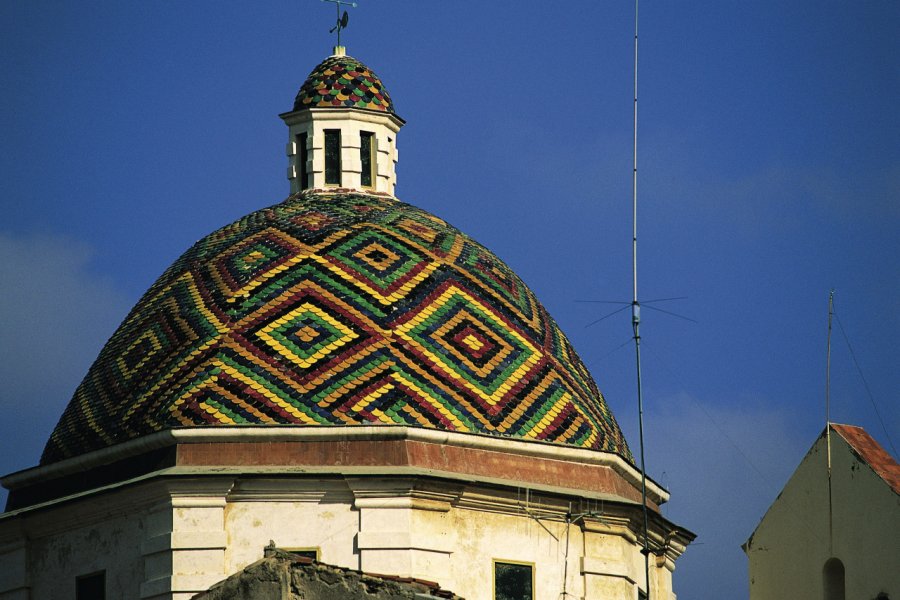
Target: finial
341 22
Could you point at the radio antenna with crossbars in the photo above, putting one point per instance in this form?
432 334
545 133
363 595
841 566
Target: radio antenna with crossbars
636 311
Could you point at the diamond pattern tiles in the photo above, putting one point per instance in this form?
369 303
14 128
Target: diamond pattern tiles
338 310
343 82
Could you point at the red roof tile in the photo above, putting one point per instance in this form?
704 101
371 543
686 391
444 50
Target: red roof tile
871 453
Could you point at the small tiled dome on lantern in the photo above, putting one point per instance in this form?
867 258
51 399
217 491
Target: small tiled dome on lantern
342 131
343 81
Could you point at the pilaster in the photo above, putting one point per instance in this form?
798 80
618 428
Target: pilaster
403 528
184 547
612 566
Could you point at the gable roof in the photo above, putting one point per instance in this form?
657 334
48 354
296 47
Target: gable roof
866 449
871 453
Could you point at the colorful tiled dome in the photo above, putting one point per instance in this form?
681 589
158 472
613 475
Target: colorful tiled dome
338 310
343 82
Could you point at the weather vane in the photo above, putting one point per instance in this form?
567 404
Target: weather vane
341 20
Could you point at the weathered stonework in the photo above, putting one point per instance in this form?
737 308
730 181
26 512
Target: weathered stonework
285 576
409 502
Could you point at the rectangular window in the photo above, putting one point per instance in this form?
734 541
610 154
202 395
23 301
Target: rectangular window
513 581
312 553
91 587
333 156
367 157
302 157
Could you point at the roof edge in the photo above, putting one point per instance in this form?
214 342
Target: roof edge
311 433
871 452
861 443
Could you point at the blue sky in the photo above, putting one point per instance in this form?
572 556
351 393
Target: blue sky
769 173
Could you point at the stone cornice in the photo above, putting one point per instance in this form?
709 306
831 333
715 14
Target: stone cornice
347 451
269 434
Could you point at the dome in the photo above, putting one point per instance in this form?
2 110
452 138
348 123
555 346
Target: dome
338 310
341 81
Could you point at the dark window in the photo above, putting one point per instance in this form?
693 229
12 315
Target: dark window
833 579
366 157
302 157
312 553
512 581
91 587
333 156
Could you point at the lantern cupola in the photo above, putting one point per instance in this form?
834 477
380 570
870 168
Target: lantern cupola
342 131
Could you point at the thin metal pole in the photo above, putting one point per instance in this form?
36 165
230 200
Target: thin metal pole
828 362
637 347
828 416
565 593
636 310
634 161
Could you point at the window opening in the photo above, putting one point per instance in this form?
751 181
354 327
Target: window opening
302 158
366 157
312 553
91 587
513 581
333 156
833 579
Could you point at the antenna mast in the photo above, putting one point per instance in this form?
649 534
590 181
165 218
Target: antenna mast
828 415
636 310
828 361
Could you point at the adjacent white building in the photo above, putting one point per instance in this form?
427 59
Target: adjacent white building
834 531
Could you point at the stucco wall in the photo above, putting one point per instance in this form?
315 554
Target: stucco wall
170 539
313 513
444 532
62 545
867 527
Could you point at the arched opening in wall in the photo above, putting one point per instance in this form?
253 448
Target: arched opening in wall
833 579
